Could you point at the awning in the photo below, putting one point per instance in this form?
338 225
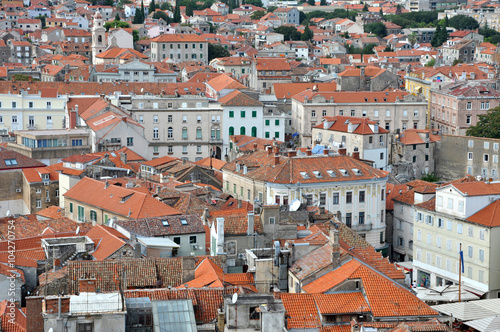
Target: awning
406 266
490 324
295 135
444 294
466 311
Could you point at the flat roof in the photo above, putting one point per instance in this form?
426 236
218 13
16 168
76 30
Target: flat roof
53 132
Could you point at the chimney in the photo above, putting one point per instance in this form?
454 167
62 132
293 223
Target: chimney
106 184
276 159
362 71
255 146
276 149
326 151
157 190
34 318
188 267
276 293
334 242
308 152
56 305
472 76
250 229
123 157
269 150
292 153
342 151
87 285
205 216
355 155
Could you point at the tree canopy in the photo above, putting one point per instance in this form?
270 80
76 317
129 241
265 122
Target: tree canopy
440 36
337 13
490 35
152 7
162 15
377 28
116 24
307 35
216 51
166 6
462 22
414 19
257 15
488 125
289 32
257 3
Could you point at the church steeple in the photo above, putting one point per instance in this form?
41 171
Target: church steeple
98 36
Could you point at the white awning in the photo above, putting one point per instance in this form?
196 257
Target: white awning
443 294
407 266
472 310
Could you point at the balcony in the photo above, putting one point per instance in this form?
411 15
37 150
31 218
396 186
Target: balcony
214 140
362 227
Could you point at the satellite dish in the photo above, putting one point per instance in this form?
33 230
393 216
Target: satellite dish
8 213
77 230
51 330
478 177
142 89
235 298
295 205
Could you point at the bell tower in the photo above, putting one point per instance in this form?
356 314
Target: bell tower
98 36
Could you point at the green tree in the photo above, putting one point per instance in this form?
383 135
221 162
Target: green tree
135 35
381 13
216 51
323 3
142 11
177 14
288 32
166 6
190 7
117 17
138 17
488 125
311 2
377 28
152 7
157 15
413 39
42 20
440 36
257 3
456 62
271 9
257 15
116 24
388 48
365 7
462 22
431 63
307 35
432 177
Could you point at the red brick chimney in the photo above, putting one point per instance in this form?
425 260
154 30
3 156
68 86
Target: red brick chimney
276 149
255 146
308 152
342 151
292 153
326 151
34 318
269 150
52 304
355 155
87 285
276 159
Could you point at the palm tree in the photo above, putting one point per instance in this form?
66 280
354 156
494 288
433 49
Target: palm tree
413 39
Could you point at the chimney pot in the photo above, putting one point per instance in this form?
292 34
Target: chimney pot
342 151
292 153
308 152
326 151
276 159
355 155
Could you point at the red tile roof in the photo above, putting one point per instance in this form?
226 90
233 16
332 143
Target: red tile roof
488 216
363 126
107 241
238 98
122 201
175 38
301 311
353 96
288 90
236 221
34 174
224 81
21 160
414 136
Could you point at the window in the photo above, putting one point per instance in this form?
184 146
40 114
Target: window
401 242
429 238
243 114
348 197
85 327
93 215
470 251
38 203
177 239
192 239
419 235
242 130
348 219
382 195
76 142
486 158
481 234
469 156
130 141
81 213
198 133
70 207
450 203
481 255
277 122
362 196
361 219
459 228
335 198
313 113
184 133
155 133
414 159
14 104
381 237
481 276
170 132
440 223
267 122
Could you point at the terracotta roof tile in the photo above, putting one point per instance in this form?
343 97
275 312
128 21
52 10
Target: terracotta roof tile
107 241
238 98
362 126
236 221
301 310
168 225
341 303
224 81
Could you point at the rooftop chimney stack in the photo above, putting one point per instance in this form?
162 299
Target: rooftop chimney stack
276 159
335 243
308 151
292 153
343 151
326 151
355 155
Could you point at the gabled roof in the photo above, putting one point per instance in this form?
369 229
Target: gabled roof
13 160
124 53
488 216
163 226
363 126
122 201
345 97
174 38
224 81
33 175
238 98
288 90
107 241
411 136
236 221
159 161
477 188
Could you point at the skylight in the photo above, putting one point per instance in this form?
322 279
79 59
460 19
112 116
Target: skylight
331 173
317 174
305 175
165 222
344 172
10 162
356 171
184 221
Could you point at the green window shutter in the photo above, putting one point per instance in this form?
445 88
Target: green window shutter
231 114
70 207
267 122
243 114
277 122
254 114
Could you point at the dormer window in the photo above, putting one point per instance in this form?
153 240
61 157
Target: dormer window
305 175
343 172
356 171
331 173
165 222
317 174
184 221
45 176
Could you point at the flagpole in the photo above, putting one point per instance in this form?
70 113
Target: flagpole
460 275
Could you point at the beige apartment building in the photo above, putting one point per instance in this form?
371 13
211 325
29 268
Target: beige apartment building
461 215
188 127
393 110
179 48
22 110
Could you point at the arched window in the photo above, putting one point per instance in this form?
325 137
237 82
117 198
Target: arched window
254 131
99 39
231 131
242 130
170 132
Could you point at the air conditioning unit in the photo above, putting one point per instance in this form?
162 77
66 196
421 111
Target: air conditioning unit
47 199
18 190
46 183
